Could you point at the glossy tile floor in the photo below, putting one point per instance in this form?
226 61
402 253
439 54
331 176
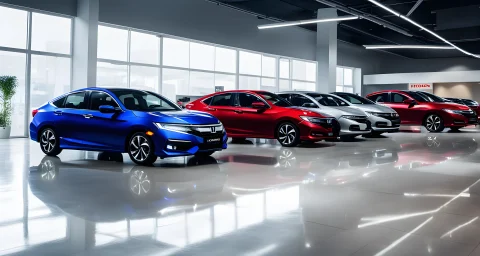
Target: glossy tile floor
403 194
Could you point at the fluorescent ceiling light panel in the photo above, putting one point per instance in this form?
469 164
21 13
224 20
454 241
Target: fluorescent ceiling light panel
423 28
303 22
409 47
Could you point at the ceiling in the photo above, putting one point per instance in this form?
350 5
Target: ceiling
456 20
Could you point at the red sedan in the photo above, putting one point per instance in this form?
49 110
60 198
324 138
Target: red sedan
418 108
261 114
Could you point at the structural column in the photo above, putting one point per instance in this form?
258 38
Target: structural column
326 51
85 33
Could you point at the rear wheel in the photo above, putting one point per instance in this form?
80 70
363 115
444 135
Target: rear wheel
49 142
434 123
288 135
141 150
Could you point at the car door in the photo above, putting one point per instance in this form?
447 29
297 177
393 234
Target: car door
403 109
105 130
71 119
221 106
251 121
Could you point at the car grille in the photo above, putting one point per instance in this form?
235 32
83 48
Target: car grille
206 130
389 116
205 145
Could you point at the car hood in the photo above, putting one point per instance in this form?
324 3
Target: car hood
348 110
179 117
374 108
449 105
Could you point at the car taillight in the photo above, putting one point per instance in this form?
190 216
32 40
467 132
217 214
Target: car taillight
34 112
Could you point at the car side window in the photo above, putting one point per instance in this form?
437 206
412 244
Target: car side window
338 101
98 99
246 100
222 100
382 97
285 97
76 101
208 101
302 101
398 98
59 102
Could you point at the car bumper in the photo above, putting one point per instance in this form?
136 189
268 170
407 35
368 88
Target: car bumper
380 124
459 120
314 132
352 127
172 144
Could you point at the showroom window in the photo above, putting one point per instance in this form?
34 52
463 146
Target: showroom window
41 63
345 80
181 68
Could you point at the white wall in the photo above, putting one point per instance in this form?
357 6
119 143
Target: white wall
426 77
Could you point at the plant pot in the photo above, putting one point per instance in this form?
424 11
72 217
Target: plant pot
5 132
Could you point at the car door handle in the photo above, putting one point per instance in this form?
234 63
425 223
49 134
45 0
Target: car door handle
238 111
58 113
211 109
88 116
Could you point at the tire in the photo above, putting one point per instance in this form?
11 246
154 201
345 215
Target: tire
49 142
434 123
238 140
288 134
455 129
140 149
204 154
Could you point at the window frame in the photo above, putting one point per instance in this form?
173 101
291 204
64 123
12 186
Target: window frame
237 100
232 99
86 98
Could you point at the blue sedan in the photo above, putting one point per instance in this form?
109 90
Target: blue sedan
141 123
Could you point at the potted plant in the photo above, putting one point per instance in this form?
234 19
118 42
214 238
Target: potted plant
8 86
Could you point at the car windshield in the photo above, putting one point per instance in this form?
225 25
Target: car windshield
275 99
470 102
459 101
432 97
144 101
418 97
328 100
355 99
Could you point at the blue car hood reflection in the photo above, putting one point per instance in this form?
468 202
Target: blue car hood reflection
179 117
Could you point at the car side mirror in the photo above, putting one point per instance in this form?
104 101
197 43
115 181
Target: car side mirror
259 105
410 102
309 105
107 109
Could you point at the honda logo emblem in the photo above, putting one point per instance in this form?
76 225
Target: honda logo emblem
213 129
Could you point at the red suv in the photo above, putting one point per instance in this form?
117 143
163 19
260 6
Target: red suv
261 114
419 108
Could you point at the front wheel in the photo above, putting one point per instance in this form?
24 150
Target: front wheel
434 123
204 154
140 149
49 142
288 135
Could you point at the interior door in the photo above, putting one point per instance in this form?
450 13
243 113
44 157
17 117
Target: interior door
251 121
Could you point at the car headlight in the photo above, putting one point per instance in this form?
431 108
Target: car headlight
384 115
353 117
453 111
318 120
174 127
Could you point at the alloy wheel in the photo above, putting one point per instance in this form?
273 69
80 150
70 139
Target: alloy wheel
48 140
433 123
140 183
139 148
287 134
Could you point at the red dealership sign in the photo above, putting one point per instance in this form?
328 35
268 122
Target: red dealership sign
422 86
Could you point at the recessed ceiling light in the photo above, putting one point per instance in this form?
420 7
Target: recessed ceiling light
423 28
303 22
438 47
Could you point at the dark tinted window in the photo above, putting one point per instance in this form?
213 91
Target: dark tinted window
246 100
98 99
275 99
76 100
432 97
355 99
382 97
328 100
144 101
59 102
302 101
418 97
222 100
470 102
285 96
459 101
208 101
398 98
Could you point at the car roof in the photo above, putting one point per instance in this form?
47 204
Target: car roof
105 89
303 92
